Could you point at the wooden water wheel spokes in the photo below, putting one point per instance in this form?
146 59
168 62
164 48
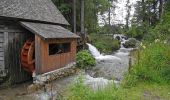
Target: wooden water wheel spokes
28 56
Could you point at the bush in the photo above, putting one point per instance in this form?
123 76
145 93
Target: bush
153 66
105 44
160 31
84 59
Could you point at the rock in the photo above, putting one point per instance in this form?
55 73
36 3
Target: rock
117 37
131 43
33 88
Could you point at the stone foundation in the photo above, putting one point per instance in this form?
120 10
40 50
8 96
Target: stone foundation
56 74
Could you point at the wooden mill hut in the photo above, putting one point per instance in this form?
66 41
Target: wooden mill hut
33 39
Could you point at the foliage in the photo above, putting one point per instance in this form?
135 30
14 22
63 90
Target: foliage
110 29
161 31
142 91
136 31
92 9
84 59
64 8
105 44
146 91
153 65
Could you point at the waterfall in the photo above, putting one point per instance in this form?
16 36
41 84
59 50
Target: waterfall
121 38
93 50
96 54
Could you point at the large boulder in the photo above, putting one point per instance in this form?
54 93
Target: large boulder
131 43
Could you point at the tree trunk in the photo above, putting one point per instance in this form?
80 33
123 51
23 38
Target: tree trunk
160 9
82 24
109 16
128 14
143 10
74 17
82 16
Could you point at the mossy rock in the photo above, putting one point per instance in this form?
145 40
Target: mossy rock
116 45
131 43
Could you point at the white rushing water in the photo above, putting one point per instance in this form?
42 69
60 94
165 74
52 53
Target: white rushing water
94 50
108 66
97 83
96 54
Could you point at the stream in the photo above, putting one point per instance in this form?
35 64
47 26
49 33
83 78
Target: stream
109 69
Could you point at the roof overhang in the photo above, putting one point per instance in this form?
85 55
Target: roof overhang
35 10
48 31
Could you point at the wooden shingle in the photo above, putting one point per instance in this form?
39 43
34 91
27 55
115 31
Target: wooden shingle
36 10
48 31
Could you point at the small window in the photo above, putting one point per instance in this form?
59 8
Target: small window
57 48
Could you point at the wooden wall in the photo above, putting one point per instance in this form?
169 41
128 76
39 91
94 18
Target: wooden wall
45 62
12 38
2 67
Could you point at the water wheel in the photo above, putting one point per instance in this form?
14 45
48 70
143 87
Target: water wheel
28 56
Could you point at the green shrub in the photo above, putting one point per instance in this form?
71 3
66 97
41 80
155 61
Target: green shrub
153 66
84 59
105 44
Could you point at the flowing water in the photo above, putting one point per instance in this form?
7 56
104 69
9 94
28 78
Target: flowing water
109 69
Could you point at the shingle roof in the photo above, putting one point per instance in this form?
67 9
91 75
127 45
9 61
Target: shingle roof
40 10
48 31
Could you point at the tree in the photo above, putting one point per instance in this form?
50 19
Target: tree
82 17
128 6
74 17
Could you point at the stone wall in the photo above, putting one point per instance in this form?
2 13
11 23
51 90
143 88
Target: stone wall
56 74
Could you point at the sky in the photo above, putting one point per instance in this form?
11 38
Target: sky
119 14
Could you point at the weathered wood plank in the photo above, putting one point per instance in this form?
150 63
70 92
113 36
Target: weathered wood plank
14 44
37 54
1 40
1 58
2 66
1 63
11 43
1 45
1 54
1 49
1 35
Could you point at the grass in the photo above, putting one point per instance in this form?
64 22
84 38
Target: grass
142 91
105 44
148 79
147 91
79 91
153 65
